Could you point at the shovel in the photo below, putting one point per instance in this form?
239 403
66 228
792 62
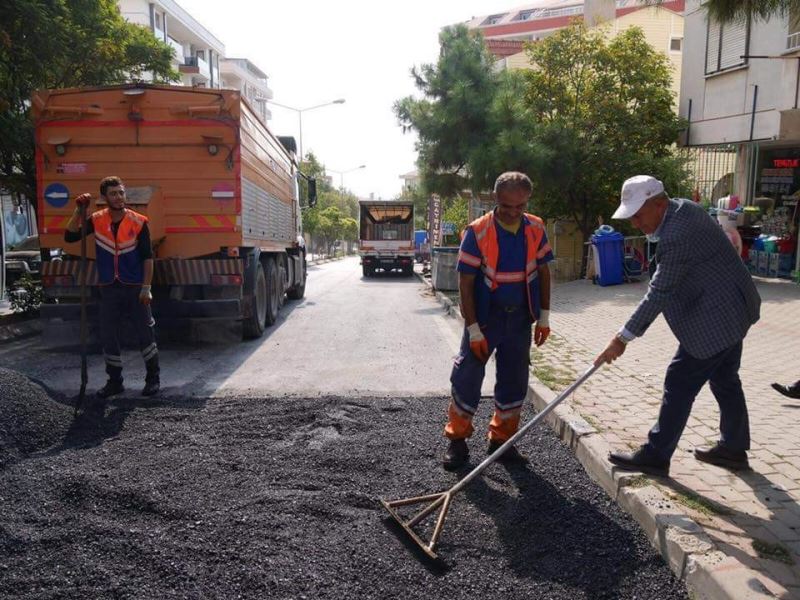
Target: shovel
84 369
442 500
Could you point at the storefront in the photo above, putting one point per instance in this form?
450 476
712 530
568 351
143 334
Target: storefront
775 211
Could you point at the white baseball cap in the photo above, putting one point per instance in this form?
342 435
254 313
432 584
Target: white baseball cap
635 192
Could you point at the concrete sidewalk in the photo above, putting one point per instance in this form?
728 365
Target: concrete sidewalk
751 517
730 536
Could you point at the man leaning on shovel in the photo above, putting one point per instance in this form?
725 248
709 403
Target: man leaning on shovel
709 302
124 262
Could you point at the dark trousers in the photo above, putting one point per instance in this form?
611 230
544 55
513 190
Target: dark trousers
119 302
686 375
509 333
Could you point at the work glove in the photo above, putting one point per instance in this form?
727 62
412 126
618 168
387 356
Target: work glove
542 330
145 296
478 343
83 201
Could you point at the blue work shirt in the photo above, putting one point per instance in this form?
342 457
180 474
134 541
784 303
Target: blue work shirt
512 259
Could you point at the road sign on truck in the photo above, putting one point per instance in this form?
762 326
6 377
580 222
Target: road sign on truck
220 191
386 238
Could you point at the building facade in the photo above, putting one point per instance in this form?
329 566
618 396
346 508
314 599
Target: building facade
739 94
197 52
241 74
506 32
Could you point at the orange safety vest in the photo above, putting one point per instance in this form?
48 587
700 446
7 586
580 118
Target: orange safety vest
486 235
117 258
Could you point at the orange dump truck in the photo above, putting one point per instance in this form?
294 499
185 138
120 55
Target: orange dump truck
220 191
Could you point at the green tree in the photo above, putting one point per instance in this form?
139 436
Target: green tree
456 211
739 10
602 111
62 44
452 119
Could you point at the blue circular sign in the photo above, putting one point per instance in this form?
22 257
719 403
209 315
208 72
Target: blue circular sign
56 195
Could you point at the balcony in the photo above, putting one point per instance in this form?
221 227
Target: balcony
194 65
177 50
793 41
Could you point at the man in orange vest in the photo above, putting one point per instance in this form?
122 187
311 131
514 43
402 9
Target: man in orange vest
124 262
504 283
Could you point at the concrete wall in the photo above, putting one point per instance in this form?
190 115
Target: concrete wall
722 103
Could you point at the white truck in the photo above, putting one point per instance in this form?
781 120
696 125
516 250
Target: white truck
386 238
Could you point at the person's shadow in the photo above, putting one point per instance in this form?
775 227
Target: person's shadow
550 535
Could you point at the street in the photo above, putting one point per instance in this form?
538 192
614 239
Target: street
258 473
349 336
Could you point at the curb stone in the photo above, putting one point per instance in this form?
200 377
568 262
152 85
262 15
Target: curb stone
708 573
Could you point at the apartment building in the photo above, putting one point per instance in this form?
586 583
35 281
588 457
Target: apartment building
507 32
241 74
197 52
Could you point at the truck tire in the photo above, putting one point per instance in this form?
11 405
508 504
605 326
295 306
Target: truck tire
254 325
274 289
366 270
298 291
408 270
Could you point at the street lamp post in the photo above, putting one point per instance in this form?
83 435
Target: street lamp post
300 112
342 173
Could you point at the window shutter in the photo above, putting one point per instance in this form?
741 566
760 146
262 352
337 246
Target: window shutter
734 44
712 47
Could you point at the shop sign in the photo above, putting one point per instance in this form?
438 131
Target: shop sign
434 219
786 163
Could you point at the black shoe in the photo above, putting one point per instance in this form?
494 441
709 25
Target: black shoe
721 456
111 388
790 391
642 460
456 455
151 388
510 456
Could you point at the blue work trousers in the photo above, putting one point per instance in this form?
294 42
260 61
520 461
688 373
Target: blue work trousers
508 332
686 375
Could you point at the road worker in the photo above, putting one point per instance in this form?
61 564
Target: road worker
504 283
125 272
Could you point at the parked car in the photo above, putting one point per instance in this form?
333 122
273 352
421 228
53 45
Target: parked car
23 258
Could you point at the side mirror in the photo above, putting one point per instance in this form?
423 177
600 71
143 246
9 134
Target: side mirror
312 192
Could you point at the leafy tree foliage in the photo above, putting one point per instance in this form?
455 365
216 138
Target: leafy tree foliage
739 10
452 119
587 116
336 215
602 111
61 44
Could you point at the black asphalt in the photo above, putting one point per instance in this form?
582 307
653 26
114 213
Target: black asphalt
278 498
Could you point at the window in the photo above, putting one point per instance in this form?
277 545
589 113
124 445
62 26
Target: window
793 37
725 45
159 21
492 19
675 44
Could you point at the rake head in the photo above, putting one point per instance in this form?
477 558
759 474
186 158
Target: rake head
432 502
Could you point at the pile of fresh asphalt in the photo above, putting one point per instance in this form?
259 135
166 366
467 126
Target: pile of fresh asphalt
278 498
30 420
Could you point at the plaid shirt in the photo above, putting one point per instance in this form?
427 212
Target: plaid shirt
700 284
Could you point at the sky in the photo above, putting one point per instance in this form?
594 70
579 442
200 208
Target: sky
316 51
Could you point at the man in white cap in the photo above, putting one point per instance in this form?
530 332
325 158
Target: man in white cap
709 302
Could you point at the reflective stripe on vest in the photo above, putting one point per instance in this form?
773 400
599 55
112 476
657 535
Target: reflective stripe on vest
486 236
116 259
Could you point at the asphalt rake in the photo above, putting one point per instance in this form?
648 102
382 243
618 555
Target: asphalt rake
442 500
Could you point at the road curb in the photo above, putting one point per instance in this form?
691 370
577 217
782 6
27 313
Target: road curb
708 573
321 261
